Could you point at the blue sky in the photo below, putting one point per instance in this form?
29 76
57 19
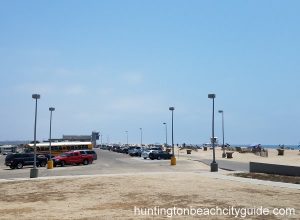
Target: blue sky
113 66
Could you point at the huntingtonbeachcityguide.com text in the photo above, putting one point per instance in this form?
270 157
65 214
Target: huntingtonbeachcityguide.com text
236 212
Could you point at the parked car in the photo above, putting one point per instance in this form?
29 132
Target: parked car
92 152
48 156
160 155
136 151
124 150
115 148
130 149
145 153
73 157
18 160
104 147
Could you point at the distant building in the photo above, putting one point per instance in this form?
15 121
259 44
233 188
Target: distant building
81 138
93 138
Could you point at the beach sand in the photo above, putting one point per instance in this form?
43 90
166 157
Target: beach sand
290 157
116 196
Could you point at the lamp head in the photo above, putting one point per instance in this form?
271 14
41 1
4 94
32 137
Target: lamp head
211 96
220 111
51 109
36 96
171 108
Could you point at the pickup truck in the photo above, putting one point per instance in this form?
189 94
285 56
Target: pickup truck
73 157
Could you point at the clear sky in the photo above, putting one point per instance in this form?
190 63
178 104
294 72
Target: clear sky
113 66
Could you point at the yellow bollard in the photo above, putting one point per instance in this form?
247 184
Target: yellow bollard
50 164
173 160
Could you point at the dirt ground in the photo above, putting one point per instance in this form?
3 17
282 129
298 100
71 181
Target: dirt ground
116 196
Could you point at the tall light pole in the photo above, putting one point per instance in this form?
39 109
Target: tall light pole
166 133
141 129
101 138
213 165
34 171
173 159
223 146
126 136
50 162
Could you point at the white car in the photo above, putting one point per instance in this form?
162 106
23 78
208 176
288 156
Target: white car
136 151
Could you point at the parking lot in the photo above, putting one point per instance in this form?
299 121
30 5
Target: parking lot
107 163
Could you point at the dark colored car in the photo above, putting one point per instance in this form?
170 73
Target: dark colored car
124 150
160 155
18 160
115 148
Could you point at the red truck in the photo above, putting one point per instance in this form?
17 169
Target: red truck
73 157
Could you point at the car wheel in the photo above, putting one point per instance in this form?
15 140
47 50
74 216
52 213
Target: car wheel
85 162
43 164
151 157
62 163
19 165
145 158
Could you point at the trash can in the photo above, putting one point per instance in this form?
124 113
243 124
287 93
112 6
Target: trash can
280 152
50 164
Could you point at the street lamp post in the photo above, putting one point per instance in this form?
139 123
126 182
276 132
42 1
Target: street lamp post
223 146
50 161
126 136
166 133
173 159
101 138
213 165
141 129
34 171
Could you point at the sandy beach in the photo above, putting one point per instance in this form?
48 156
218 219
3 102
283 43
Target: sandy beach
290 157
117 196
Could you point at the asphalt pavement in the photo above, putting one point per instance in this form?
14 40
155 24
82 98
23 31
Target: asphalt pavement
107 163
228 165
112 163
